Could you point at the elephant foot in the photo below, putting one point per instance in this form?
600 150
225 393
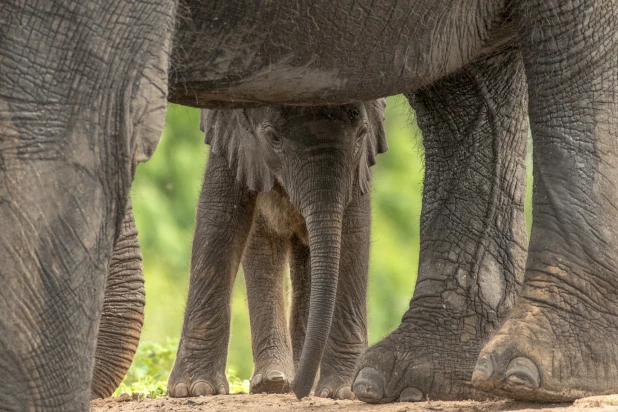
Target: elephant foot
337 371
420 361
270 380
197 387
551 352
189 379
335 388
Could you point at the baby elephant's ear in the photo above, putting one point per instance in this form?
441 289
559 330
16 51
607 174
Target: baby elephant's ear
375 143
231 136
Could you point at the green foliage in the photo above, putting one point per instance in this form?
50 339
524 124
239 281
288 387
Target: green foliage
165 193
237 385
397 186
150 369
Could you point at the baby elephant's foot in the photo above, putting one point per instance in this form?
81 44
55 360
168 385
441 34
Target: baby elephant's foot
270 380
337 373
335 389
188 379
196 387
341 392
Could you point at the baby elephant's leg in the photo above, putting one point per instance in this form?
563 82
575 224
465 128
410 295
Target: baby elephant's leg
224 218
300 279
348 333
264 265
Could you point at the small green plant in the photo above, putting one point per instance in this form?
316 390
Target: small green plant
237 385
151 367
149 371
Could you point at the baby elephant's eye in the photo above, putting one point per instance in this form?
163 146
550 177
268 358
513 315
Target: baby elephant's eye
354 113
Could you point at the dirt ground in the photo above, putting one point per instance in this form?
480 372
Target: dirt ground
288 403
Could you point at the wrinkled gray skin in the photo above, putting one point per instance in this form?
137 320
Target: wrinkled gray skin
83 89
123 312
283 183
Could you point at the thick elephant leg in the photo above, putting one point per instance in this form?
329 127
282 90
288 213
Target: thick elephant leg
300 281
264 264
82 91
473 235
224 217
123 312
54 252
561 340
348 332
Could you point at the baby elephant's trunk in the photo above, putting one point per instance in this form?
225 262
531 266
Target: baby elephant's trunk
323 214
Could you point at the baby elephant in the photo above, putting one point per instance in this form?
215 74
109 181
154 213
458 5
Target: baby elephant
283 184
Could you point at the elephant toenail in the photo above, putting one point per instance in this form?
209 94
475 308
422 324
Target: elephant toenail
522 371
180 391
369 385
222 390
202 388
257 379
275 376
345 393
410 395
325 393
484 369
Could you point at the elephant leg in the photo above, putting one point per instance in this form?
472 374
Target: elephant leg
561 340
224 218
123 312
83 91
264 266
473 235
300 280
348 333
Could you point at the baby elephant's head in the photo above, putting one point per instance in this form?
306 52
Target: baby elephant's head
312 151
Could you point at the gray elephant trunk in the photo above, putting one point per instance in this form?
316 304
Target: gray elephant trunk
323 215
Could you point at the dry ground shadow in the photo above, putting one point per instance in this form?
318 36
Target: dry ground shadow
288 403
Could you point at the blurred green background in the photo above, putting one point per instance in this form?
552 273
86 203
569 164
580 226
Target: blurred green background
165 193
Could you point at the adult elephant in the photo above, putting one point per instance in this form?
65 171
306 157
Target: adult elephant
83 88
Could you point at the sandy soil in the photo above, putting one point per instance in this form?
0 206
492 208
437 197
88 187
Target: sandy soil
281 403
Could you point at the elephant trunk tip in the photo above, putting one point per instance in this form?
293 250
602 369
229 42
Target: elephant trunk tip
301 385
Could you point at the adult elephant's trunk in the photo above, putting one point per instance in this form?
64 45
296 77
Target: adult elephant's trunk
123 312
323 215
